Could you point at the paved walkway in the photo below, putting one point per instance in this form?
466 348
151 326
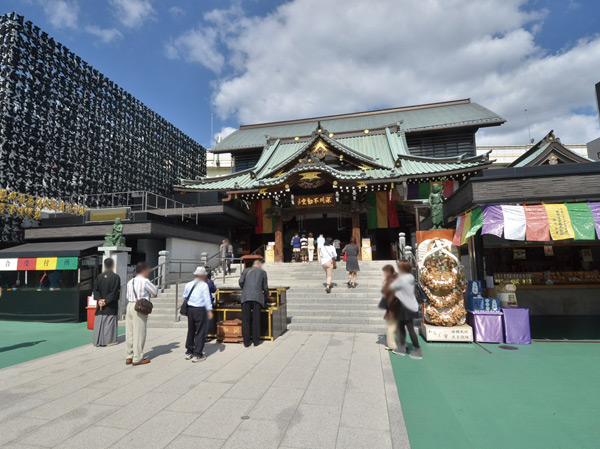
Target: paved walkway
305 390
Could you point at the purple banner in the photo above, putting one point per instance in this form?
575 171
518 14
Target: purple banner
493 220
516 326
595 208
487 326
413 192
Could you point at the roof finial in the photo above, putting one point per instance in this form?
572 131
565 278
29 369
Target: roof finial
319 127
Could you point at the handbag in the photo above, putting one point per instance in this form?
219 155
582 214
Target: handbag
420 294
183 310
142 306
345 257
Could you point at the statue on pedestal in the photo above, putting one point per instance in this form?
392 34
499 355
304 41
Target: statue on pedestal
436 203
116 237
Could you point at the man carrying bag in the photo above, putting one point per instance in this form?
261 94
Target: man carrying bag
139 292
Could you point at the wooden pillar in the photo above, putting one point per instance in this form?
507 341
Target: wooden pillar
356 232
278 239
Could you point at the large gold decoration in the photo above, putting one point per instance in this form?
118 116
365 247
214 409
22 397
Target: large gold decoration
443 280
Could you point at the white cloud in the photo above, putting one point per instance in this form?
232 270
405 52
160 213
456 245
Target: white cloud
132 13
354 55
106 35
61 13
225 131
176 11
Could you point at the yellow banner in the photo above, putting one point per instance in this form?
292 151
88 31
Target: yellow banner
45 263
560 222
466 228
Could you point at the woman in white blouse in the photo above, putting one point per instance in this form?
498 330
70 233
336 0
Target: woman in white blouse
328 255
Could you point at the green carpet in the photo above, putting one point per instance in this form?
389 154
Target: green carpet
544 395
21 341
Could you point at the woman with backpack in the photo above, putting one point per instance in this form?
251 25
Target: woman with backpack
404 286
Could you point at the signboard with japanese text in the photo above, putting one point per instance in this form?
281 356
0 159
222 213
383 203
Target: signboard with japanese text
320 200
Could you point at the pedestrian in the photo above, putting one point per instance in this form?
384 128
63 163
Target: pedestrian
311 247
295 242
327 256
404 286
392 307
337 245
199 312
226 253
107 294
351 251
304 248
212 288
320 245
255 290
139 287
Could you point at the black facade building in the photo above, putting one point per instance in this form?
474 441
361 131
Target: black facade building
68 130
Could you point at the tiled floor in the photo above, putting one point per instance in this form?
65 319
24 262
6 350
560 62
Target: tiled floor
305 390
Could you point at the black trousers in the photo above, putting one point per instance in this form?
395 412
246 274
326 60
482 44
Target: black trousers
197 322
402 326
251 321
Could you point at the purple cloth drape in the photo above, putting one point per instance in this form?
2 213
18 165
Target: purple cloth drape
413 192
595 208
516 326
493 221
487 326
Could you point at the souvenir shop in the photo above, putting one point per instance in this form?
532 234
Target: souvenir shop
531 236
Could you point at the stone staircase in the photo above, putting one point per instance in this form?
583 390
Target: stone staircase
309 307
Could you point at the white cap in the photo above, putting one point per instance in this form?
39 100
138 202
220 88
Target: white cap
200 271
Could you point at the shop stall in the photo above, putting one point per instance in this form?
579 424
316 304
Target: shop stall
47 281
540 253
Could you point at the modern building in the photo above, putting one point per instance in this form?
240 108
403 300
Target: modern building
68 130
359 174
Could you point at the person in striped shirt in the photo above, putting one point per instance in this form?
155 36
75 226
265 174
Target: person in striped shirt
135 323
304 248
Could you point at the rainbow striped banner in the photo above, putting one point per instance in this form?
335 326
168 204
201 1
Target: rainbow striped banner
39 263
534 223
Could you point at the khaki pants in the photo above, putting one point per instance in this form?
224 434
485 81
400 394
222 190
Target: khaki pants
328 267
135 333
391 334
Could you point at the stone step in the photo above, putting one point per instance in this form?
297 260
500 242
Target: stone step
332 306
337 319
336 313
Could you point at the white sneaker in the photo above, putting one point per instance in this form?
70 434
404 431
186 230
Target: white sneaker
189 356
198 359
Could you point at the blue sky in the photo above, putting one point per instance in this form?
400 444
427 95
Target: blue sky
252 61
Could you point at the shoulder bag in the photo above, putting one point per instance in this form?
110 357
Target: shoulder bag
183 310
142 305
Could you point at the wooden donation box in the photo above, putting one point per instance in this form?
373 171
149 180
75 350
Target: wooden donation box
366 252
228 315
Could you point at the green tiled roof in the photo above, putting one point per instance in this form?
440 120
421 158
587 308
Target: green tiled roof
383 148
416 118
531 156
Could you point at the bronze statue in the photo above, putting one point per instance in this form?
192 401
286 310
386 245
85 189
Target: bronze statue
116 237
436 203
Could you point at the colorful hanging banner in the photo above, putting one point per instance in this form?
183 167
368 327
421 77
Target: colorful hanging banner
377 215
460 226
581 220
560 222
514 222
538 227
421 190
595 209
493 221
66 263
27 263
8 264
475 224
45 263
392 212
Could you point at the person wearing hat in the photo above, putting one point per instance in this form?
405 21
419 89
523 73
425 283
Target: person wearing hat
199 312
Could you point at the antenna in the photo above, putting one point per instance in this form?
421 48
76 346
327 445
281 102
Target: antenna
212 117
528 126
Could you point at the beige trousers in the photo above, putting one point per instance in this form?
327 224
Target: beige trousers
311 254
391 334
135 333
328 267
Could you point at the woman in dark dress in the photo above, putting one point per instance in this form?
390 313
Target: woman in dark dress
351 252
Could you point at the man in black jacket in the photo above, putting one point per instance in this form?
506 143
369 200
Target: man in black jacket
107 294
255 290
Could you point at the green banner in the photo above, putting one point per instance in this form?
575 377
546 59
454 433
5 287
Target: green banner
582 221
66 263
424 190
371 200
476 222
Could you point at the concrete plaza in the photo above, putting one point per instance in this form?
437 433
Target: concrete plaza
305 390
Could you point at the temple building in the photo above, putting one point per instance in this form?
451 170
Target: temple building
363 174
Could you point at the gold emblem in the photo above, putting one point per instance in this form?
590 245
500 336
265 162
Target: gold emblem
310 175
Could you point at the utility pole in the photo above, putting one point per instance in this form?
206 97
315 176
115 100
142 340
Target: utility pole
528 127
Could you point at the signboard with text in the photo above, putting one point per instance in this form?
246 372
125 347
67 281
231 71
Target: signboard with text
320 200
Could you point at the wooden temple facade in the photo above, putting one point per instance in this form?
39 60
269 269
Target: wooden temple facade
349 175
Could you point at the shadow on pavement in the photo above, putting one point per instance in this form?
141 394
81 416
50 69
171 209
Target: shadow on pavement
21 345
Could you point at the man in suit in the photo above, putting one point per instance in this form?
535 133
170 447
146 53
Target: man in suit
107 294
255 290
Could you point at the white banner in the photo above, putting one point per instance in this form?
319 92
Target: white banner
8 264
515 225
